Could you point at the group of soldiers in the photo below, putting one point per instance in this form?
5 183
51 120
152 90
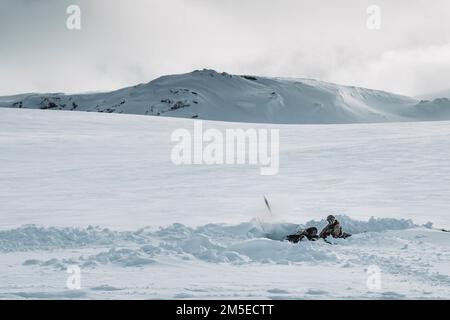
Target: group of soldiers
333 229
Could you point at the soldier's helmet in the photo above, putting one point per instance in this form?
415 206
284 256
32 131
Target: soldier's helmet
331 219
312 231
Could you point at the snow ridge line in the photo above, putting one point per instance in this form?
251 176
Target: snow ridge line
32 237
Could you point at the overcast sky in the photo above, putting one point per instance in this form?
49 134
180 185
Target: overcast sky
124 42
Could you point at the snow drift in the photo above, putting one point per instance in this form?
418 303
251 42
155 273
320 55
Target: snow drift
213 260
210 95
241 243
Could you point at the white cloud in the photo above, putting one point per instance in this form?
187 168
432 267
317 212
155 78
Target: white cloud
416 71
125 42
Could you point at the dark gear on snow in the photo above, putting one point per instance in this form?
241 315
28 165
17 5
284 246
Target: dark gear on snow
310 234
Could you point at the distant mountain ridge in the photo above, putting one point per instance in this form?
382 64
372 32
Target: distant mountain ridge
207 94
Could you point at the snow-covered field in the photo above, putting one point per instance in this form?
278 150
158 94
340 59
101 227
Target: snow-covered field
100 191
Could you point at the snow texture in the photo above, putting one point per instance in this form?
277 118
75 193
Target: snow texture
99 191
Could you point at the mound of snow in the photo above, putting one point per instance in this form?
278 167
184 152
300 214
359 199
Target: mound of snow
31 237
242 243
210 95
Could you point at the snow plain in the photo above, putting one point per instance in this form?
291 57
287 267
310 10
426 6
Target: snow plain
100 191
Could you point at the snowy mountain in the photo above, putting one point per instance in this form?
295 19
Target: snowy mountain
210 95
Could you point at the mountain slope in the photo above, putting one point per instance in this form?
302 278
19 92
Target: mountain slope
210 95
